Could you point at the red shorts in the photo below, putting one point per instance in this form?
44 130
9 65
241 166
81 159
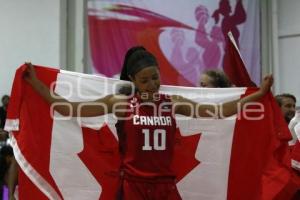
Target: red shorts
149 190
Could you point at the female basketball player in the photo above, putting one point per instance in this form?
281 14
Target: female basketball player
146 125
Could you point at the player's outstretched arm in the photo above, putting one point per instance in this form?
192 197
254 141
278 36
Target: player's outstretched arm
63 106
187 107
231 108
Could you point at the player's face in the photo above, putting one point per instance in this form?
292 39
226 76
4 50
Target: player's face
147 81
288 108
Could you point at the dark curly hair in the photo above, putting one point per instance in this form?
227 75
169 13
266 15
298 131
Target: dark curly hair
219 78
279 98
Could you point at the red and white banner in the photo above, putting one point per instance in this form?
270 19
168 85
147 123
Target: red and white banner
241 157
187 37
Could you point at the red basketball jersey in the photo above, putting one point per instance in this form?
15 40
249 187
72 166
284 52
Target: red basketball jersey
147 138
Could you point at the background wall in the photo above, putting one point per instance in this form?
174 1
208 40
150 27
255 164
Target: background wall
289 46
52 33
31 30
280 44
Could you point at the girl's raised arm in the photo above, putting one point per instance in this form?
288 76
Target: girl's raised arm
190 108
63 106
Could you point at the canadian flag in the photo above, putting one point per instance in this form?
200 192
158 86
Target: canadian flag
234 66
77 158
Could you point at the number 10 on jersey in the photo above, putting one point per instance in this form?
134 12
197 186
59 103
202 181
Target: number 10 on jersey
159 140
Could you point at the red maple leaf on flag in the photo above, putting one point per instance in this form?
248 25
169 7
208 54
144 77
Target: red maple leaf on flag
102 158
184 160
